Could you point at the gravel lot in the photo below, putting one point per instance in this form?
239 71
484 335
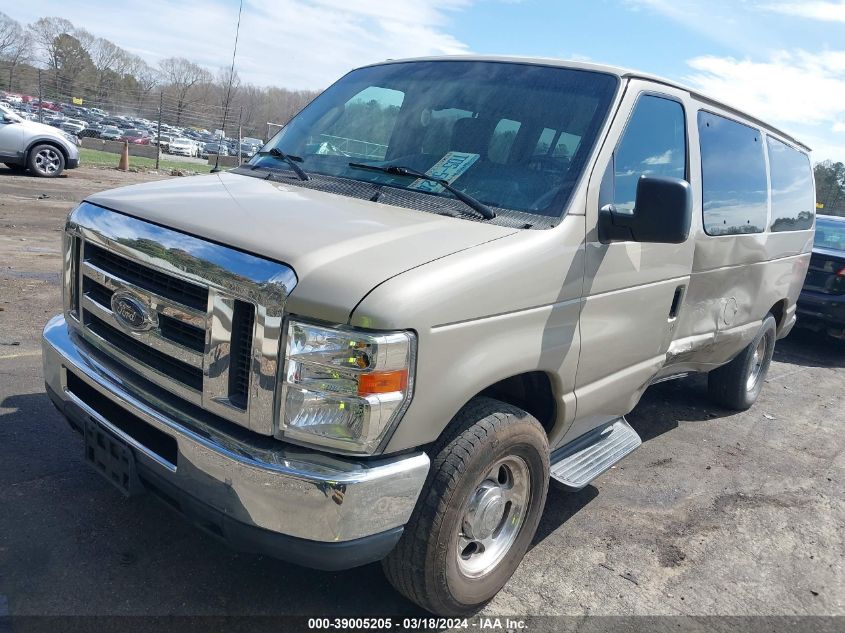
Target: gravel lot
717 514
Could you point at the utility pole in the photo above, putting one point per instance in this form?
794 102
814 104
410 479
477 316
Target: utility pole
158 140
40 99
240 136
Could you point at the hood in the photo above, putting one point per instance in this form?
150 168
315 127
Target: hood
339 247
41 128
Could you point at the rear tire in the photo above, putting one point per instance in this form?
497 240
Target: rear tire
46 161
478 512
738 384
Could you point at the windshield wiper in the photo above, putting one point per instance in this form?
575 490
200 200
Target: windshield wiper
290 159
397 170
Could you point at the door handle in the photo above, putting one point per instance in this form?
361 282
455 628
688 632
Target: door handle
677 300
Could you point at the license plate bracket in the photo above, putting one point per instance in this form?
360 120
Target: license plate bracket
112 458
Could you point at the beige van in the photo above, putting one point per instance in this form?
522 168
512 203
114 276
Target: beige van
442 284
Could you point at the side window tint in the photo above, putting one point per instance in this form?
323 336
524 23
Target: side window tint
733 174
654 144
503 137
544 143
792 187
567 145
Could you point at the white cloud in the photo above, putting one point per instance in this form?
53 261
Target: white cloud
662 159
289 43
825 11
792 89
726 22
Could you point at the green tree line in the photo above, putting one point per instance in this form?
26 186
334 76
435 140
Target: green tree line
830 187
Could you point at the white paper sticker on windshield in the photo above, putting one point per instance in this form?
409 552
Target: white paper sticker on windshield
448 168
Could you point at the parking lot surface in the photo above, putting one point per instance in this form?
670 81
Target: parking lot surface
718 513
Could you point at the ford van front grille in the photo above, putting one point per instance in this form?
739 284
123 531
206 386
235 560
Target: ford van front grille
200 320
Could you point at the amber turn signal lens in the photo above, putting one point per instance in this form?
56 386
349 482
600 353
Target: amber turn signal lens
382 382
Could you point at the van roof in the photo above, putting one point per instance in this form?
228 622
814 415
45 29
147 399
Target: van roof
621 72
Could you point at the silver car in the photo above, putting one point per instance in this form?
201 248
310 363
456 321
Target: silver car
42 149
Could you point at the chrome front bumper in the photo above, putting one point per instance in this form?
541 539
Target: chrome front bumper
248 480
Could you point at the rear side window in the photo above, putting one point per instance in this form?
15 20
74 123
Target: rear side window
654 144
792 188
735 190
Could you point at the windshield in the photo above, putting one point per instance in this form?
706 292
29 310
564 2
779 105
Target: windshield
513 136
830 234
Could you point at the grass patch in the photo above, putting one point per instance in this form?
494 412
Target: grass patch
96 158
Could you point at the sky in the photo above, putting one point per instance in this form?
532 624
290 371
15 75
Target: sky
781 60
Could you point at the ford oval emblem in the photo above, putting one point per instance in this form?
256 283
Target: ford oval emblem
130 312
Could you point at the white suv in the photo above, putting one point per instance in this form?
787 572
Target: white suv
44 150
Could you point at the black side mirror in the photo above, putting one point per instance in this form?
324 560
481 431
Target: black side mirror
662 214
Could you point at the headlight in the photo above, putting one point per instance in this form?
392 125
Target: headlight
344 388
70 137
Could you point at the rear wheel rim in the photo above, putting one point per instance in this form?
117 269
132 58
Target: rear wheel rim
47 161
494 516
757 362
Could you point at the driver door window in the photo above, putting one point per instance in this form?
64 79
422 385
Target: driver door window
654 144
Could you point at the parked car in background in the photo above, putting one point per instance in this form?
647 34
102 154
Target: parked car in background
821 306
211 149
73 126
42 149
183 147
247 150
111 133
132 135
92 131
163 141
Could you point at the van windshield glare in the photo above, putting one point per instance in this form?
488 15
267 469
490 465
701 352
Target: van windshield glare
513 136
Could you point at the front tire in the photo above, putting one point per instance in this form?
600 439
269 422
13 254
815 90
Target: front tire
738 384
46 161
478 513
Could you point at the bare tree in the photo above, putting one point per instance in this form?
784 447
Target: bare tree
146 77
45 33
15 45
182 76
224 75
19 54
10 32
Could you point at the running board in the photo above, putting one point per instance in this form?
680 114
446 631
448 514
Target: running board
585 458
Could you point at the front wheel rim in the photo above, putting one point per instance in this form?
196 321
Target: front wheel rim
494 516
757 362
47 161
